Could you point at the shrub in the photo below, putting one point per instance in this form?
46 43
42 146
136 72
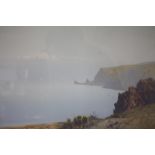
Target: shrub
80 122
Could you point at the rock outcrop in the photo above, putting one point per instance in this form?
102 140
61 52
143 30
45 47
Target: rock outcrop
142 94
146 88
121 77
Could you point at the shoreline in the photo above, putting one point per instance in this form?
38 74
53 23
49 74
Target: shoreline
52 125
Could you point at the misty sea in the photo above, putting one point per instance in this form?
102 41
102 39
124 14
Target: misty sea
32 103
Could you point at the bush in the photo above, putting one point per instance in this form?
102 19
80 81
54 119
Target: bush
79 122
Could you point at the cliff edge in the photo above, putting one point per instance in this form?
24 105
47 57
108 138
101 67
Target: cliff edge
142 94
122 77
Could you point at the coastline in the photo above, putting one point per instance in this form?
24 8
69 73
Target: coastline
54 125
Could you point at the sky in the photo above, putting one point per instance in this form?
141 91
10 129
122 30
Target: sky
105 46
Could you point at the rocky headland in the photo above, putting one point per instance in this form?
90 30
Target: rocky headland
142 94
122 77
134 109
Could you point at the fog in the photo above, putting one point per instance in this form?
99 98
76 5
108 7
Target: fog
33 60
76 48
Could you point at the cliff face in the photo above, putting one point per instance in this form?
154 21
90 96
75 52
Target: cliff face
122 77
135 108
146 88
142 94
108 78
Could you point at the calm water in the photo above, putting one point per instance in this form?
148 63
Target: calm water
41 103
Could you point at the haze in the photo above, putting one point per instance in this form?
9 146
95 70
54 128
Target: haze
119 45
39 64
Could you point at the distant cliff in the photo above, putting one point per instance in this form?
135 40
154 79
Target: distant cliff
121 77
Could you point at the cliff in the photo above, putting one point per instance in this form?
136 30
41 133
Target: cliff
121 77
135 108
142 94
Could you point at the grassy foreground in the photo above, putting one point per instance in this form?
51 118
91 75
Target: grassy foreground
139 118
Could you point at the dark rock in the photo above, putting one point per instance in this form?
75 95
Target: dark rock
146 89
143 94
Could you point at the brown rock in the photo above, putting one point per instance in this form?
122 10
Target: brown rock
134 97
146 88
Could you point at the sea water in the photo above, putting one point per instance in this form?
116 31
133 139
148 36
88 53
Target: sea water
32 103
